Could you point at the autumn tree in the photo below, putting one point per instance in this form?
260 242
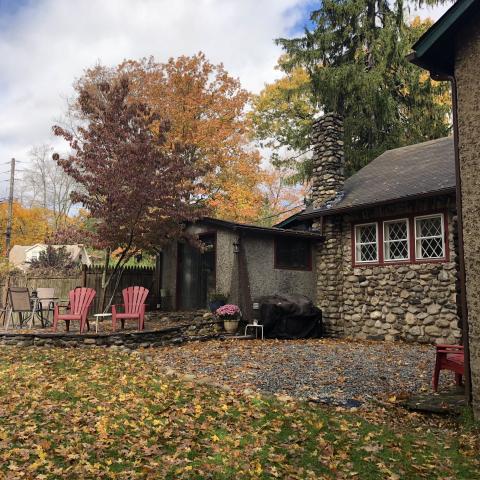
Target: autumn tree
138 187
281 197
206 110
355 59
30 225
282 112
45 184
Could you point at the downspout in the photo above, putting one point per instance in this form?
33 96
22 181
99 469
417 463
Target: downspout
463 292
245 294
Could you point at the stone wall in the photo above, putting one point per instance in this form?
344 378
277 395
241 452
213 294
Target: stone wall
198 330
467 74
329 261
328 159
414 302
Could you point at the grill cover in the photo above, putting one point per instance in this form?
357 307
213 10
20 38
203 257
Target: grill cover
290 316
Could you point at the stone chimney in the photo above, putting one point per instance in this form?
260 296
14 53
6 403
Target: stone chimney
328 159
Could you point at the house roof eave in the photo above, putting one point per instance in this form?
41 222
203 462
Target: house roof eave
273 231
351 208
433 51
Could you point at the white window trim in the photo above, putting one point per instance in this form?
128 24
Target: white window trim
397 220
442 217
376 260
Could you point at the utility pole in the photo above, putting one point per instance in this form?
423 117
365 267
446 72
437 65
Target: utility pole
8 233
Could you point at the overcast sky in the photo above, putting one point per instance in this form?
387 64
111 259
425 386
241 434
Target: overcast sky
46 44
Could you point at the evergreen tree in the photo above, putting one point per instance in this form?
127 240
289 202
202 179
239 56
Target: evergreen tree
355 59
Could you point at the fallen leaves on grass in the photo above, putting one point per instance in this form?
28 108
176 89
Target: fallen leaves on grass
100 414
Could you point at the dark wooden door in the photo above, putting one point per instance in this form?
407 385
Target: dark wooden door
196 274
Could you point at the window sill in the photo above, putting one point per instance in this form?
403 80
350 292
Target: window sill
401 262
293 269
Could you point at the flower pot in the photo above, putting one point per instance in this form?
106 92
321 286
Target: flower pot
230 325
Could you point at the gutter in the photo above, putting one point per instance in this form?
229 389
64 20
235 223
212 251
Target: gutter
264 230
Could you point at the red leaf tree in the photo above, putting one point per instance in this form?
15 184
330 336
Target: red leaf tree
139 192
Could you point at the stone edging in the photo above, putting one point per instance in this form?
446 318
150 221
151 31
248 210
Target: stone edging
131 340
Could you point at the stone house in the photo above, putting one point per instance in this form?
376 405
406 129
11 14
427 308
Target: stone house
386 268
376 251
450 51
242 262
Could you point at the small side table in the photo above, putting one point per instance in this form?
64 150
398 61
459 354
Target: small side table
256 326
100 317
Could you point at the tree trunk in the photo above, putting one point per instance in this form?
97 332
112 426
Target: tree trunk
106 264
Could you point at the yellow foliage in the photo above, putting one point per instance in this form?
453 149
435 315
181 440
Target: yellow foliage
30 225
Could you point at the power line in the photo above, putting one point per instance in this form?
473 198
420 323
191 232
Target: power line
280 213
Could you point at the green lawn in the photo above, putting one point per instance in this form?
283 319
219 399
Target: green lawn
94 413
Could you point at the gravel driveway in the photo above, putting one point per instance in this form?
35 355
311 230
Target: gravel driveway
332 371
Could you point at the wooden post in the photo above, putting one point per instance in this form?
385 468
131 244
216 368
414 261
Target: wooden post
8 233
84 275
157 280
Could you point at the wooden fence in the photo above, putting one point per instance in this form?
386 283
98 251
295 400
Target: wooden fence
89 277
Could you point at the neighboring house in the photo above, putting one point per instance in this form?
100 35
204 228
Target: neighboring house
386 268
450 50
240 261
21 255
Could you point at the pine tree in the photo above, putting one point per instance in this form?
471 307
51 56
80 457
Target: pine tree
355 59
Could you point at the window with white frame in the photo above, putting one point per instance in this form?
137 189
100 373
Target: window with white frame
366 243
396 242
429 237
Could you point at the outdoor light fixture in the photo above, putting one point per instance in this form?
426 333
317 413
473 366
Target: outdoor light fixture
236 247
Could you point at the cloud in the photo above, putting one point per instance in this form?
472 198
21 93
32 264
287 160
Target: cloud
45 45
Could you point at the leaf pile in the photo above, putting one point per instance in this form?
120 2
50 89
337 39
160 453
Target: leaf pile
98 413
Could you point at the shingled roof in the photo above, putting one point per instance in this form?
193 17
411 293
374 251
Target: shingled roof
422 169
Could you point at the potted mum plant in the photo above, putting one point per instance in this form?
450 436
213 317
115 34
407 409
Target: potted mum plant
230 314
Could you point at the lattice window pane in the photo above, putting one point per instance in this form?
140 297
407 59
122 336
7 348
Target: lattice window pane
396 240
396 250
368 233
431 247
368 252
396 230
429 227
366 243
429 237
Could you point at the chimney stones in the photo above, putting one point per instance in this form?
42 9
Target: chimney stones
328 159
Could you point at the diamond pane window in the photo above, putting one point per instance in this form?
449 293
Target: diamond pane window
366 244
396 241
429 237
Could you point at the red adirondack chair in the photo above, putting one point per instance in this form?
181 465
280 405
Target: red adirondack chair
80 300
449 357
133 305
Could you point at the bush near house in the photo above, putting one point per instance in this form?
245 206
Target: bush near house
53 260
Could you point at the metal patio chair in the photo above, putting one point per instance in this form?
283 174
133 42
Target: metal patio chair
19 301
46 303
